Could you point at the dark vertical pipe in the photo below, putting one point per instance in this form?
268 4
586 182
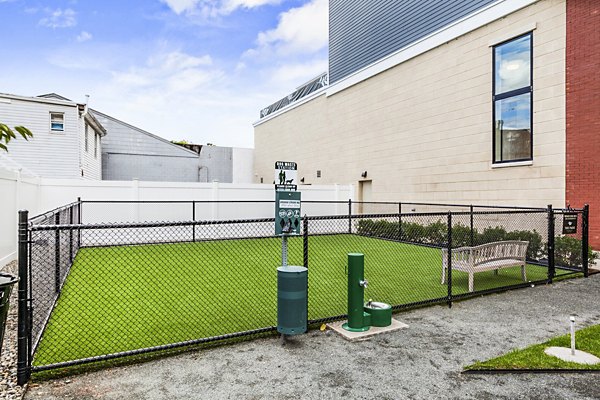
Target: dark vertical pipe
71 234
585 238
349 215
79 209
305 240
305 260
57 253
551 266
472 232
399 221
449 261
23 367
194 219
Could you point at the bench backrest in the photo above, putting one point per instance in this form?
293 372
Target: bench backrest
504 250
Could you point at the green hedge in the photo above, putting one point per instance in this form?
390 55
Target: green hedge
567 249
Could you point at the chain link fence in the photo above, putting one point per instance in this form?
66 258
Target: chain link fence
98 291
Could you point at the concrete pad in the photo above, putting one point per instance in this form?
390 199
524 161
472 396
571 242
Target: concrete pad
358 336
580 357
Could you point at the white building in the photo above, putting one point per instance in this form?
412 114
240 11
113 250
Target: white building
67 140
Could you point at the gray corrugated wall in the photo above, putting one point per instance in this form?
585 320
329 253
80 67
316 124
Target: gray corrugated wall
362 32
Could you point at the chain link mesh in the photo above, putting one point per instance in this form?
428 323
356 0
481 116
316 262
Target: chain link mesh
109 289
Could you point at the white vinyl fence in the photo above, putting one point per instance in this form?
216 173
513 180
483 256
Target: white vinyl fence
39 195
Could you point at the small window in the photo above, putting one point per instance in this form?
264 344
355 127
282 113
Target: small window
86 138
57 122
513 100
95 146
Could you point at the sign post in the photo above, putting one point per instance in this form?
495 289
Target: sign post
292 303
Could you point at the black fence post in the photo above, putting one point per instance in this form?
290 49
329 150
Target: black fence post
79 209
399 221
71 234
449 262
194 219
551 266
305 258
349 215
23 367
57 253
585 239
305 240
472 232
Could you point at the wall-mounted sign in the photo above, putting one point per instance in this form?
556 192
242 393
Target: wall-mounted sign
287 213
286 175
569 223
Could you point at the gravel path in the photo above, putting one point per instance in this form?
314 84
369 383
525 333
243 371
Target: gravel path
8 360
421 362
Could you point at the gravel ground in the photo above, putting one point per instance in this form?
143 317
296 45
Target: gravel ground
8 360
421 362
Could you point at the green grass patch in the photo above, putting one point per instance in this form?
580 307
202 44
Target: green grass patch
533 357
131 297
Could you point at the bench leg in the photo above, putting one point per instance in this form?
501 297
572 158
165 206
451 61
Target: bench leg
523 273
471 282
443 274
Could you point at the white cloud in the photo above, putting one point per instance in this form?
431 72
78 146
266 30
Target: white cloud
214 8
84 37
289 76
300 30
59 18
173 73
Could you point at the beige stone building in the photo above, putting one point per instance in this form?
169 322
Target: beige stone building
418 123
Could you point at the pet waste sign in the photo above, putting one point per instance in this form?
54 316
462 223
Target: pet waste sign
286 175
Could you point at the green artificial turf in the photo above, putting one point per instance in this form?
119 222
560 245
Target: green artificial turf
131 297
533 357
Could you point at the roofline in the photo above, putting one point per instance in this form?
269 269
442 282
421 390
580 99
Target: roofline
38 100
143 131
87 116
469 23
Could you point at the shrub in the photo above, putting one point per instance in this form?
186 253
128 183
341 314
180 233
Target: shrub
567 251
535 248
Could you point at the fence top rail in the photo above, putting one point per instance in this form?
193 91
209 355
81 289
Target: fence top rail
146 224
314 202
52 212
158 224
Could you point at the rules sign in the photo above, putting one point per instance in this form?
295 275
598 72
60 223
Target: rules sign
569 223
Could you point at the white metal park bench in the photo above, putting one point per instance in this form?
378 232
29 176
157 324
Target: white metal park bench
486 257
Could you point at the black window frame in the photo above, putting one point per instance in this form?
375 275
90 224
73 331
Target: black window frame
512 93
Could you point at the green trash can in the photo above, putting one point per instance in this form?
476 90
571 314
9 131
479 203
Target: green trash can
6 283
292 297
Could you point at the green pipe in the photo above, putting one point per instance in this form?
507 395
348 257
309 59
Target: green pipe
356 293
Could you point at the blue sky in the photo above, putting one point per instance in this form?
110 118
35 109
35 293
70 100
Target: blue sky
199 70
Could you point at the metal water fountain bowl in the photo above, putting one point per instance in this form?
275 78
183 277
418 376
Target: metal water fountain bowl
381 313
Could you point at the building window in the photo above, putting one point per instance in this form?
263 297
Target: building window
86 138
513 100
57 122
95 146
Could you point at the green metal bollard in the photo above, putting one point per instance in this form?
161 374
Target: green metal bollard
356 294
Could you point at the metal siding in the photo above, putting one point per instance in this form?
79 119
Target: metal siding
129 153
157 168
218 163
361 33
